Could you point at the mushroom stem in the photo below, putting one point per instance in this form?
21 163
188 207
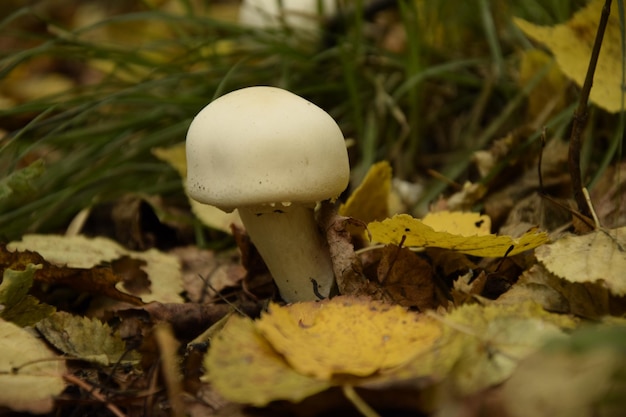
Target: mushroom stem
296 254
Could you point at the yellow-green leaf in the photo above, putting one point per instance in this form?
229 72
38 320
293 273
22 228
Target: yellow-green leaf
413 232
243 367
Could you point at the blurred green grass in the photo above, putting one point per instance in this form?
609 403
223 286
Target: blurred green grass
449 90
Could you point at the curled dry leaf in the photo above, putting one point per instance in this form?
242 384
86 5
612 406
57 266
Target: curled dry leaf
598 257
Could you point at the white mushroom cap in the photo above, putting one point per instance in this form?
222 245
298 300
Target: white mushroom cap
264 146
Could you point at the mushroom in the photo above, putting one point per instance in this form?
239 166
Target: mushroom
272 155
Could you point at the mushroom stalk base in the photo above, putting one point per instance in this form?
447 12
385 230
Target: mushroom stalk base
293 249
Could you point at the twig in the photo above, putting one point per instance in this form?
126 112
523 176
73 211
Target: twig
92 391
580 116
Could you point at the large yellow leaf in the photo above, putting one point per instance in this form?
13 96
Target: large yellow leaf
595 257
416 233
244 368
571 44
347 335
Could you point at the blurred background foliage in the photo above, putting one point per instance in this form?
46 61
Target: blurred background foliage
89 88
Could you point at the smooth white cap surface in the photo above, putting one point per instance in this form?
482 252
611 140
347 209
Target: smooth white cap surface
264 145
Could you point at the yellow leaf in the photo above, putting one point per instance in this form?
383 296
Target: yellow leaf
244 368
550 91
416 233
209 216
347 335
370 201
596 257
459 223
572 42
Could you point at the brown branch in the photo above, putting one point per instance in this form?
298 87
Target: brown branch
580 116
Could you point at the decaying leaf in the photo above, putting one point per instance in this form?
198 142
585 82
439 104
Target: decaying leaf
370 200
347 335
17 305
85 338
413 232
243 367
572 42
30 374
407 278
86 254
597 257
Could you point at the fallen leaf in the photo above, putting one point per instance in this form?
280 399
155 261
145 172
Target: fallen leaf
572 42
86 339
413 232
17 305
597 257
370 200
459 223
578 376
85 254
347 336
493 339
30 374
407 278
243 367
550 90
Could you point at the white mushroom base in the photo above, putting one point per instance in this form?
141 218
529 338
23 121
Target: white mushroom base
296 254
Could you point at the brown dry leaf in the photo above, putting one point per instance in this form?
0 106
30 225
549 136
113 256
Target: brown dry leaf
84 255
347 335
346 265
210 216
370 200
558 295
413 232
572 42
407 278
243 367
98 280
30 374
598 257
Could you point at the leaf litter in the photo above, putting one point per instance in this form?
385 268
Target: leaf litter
417 311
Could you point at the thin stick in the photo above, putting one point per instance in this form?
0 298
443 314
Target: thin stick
92 391
580 116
